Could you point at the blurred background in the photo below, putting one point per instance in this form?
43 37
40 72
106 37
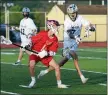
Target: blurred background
41 10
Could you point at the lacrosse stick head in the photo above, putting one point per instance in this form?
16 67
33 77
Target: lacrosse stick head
5 41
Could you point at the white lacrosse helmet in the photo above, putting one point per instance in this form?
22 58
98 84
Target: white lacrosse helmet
26 12
53 25
72 11
72 8
26 9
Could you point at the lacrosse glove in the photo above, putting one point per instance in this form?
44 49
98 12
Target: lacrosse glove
78 39
42 54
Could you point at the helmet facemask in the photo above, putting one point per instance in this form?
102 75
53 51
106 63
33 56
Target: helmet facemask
73 16
26 14
53 26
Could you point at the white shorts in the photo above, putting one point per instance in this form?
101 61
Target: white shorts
24 43
72 45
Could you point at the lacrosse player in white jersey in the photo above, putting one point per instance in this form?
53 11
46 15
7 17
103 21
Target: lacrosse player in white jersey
72 30
27 29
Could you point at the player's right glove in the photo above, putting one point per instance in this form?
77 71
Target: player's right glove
28 47
42 54
78 39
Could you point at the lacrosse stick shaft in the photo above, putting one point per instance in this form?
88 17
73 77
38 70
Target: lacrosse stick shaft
25 48
8 42
81 39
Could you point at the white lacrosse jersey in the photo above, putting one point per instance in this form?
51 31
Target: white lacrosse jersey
26 27
76 26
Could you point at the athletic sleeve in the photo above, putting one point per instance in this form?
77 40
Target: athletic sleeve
67 25
20 25
32 25
84 21
36 39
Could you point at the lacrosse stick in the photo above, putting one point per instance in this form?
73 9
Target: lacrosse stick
8 42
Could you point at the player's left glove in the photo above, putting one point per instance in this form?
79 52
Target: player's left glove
92 28
42 54
78 39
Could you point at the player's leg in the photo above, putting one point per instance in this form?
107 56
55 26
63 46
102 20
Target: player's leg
75 59
72 53
33 60
32 73
50 68
19 57
63 61
44 72
53 64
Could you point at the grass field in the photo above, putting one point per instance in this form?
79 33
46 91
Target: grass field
92 61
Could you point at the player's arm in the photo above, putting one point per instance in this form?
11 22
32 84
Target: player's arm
50 49
72 36
14 28
88 27
91 27
53 48
33 27
17 28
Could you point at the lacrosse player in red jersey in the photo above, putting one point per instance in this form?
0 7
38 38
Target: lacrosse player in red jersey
46 43
27 29
72 30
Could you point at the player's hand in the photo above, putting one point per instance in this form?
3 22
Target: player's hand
29 36
28 47
88 33
78 39
92 28
42 54
12 28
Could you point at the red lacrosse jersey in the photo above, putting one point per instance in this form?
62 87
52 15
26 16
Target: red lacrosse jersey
42 41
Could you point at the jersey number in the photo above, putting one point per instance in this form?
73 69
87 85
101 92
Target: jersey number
73 31
22 31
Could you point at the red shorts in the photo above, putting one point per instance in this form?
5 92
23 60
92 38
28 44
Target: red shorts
44 60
